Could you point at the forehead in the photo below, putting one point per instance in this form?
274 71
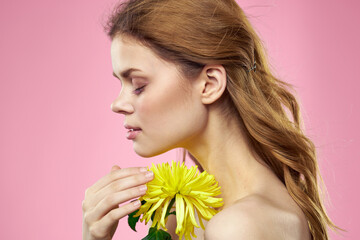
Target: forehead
125 53
128 53
124 46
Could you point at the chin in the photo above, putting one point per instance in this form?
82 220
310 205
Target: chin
148 153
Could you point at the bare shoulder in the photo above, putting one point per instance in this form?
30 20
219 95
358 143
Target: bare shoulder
255 217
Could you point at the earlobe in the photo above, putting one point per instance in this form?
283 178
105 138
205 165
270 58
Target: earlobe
214 83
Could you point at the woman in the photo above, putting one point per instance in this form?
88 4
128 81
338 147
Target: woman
194 75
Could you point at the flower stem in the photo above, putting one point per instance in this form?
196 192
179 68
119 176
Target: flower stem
169 207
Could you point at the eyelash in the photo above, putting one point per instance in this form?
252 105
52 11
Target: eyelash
139 89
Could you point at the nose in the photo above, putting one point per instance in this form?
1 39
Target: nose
121 105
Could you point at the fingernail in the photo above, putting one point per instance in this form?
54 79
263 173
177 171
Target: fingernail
136 203
149 175
143 169
143 188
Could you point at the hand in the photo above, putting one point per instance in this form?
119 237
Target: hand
101 210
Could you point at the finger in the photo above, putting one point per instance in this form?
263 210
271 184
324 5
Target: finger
112 201
113 176
119 186
115 167
115 215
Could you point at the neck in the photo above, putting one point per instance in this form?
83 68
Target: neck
222 150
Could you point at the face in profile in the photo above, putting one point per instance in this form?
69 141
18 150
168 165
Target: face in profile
155 98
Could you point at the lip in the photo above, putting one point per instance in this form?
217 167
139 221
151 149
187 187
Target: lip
131 127
132 134
133 131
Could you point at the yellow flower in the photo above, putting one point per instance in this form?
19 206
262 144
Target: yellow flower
191 192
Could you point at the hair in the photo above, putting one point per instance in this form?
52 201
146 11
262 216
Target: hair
192 34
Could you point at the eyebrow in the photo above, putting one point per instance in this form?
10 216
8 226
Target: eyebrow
126 73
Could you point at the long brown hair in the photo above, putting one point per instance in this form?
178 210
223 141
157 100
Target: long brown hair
192 34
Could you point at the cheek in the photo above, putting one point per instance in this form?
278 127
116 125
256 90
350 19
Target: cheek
161 108
165 107
170 118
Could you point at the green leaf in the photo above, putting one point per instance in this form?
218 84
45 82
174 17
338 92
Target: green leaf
133 220
173 212
155 234
152 216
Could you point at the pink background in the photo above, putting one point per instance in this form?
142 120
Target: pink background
59 136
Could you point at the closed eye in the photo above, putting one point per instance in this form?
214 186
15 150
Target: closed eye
139 90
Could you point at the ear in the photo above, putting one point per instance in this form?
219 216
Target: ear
213 83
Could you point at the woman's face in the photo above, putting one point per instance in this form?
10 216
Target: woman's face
155 98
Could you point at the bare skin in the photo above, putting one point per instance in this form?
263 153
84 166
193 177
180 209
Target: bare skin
170 116
101 210
273 215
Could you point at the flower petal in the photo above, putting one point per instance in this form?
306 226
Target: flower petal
179 212
192 192
191 210
162 219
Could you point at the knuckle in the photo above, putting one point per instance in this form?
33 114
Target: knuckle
94 231
87 219
110 200
84 206
115 186
113 216
87 192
